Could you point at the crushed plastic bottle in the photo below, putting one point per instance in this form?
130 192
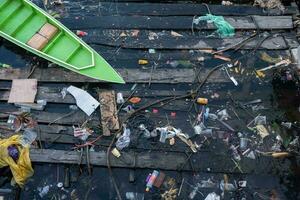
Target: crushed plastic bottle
223 114
235 153
147 133
120 98
163 135
134 196
73 107
43 191
243 143
28 137
64 92
124 140
229 186
194 192
207 184
260 120
212 196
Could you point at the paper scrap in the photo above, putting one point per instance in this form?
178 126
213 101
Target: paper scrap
84 100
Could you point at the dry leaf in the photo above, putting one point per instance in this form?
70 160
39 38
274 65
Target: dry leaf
135 33
222 57
175 34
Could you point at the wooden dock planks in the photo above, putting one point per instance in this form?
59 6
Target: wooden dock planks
202 162
175 22
167 9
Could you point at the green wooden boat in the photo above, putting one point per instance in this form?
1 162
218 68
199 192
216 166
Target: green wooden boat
31 28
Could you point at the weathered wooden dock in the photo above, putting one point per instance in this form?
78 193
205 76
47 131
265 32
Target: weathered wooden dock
123 32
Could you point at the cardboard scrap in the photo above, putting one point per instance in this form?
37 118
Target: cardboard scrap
23 91
108 109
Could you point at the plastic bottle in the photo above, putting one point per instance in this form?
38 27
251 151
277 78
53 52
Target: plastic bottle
194 192
120 98
235 153
151 180
28 137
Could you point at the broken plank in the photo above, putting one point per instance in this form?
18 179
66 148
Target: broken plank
166 9
156 160
174 23
129 75
108 109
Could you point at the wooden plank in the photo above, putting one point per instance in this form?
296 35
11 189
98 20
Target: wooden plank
53 95
187 43
166 9
157 160
175 23
108 109
129 75
114 56
66 116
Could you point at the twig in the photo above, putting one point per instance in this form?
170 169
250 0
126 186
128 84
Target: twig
180 187
40 136
89 143
131 94
237 166
168 99
31 71
88 160
242 42
152 69
57 173
193 24
86 196
207 7
109 167
66 115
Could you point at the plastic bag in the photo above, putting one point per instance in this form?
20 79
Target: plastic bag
224 29
21 169
124 140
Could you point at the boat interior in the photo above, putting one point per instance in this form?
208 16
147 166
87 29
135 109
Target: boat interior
23 22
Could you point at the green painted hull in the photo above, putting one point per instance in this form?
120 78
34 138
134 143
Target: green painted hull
20 20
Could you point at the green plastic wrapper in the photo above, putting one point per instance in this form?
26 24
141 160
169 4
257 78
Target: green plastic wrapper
224 29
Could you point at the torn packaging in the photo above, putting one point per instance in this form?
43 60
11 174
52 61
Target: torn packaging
21 169
84 100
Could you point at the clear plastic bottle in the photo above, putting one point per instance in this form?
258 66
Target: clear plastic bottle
28 137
